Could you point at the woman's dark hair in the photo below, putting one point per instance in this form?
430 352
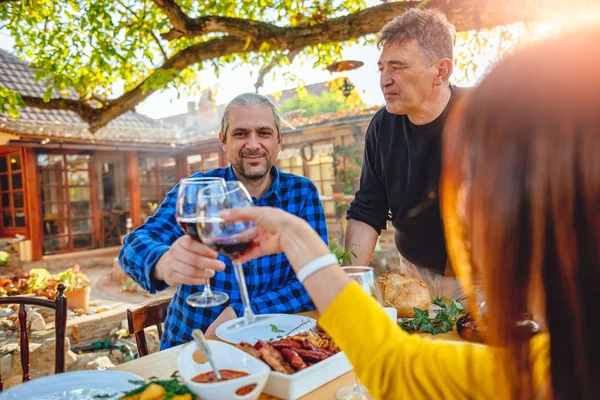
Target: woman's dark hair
521 207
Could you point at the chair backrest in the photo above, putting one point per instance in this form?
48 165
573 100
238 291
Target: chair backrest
144 315
109 227
60 325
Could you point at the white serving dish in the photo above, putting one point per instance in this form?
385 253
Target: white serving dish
225 357
305 381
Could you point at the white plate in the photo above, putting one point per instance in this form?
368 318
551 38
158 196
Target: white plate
78 385
264 330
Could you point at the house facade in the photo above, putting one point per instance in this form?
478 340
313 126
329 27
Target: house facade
64 189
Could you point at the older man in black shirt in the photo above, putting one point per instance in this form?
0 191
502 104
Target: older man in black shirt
401 169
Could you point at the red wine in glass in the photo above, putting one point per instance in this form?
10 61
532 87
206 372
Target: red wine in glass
228 247
187 215
229 239
189 226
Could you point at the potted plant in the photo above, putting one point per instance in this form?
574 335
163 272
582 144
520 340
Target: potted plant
338 189
338 184
347 163
77 287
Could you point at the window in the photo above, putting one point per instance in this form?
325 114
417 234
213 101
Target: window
203 162
157 177
66 202
12 197
293 165
320 171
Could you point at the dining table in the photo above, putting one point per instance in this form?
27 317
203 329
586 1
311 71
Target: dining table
163 364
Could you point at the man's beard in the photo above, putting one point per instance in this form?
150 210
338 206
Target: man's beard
258 172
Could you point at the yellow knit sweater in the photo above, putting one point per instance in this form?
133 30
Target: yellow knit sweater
393 364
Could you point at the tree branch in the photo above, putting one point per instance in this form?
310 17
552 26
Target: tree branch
465 14
85 111
266 69
178 18
233 26
102 100
162 50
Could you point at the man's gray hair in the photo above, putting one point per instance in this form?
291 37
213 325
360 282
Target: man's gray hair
249 99
430 28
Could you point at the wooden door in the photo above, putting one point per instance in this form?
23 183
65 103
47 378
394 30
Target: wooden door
12 193
68 202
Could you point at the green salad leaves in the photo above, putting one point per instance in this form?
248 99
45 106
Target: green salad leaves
444 321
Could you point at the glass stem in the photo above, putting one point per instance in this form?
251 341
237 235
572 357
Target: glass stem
358 387
239 275
207 293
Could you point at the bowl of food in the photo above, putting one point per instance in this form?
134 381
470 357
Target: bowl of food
243 376
300 363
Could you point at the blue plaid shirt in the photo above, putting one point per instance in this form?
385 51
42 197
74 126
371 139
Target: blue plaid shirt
272 284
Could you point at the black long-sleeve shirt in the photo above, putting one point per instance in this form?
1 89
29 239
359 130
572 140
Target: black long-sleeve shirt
400 181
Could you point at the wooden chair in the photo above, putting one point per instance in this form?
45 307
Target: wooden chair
144 315
60 325
109 228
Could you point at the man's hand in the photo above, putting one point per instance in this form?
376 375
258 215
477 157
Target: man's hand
278 231
187 262
227 315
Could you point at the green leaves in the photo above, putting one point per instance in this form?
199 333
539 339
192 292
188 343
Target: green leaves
10 102
48 94
173 386
275 329
444 320
343 255
421 316
101 46
494 43
327 102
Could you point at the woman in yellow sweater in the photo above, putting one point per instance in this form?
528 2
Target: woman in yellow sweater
521 206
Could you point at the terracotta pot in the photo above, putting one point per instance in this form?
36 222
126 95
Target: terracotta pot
78 298
338 190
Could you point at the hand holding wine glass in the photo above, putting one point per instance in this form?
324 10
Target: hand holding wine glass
228 238
189 261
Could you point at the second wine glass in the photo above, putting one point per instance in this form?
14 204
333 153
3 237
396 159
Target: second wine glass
365 277
186 214
228 238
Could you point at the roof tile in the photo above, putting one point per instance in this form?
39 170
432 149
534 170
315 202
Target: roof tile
129 127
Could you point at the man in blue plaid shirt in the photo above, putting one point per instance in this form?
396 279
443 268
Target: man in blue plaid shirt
158 254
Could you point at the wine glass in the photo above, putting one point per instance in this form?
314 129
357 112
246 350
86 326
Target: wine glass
365 276
186 214
228 238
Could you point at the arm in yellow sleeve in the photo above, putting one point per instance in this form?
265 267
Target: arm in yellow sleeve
393 364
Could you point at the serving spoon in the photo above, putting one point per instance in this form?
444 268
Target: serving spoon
202 345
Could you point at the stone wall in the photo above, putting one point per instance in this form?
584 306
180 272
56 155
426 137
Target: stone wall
60 264
81 331
42 360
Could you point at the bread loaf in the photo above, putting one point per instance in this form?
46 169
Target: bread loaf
404 292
